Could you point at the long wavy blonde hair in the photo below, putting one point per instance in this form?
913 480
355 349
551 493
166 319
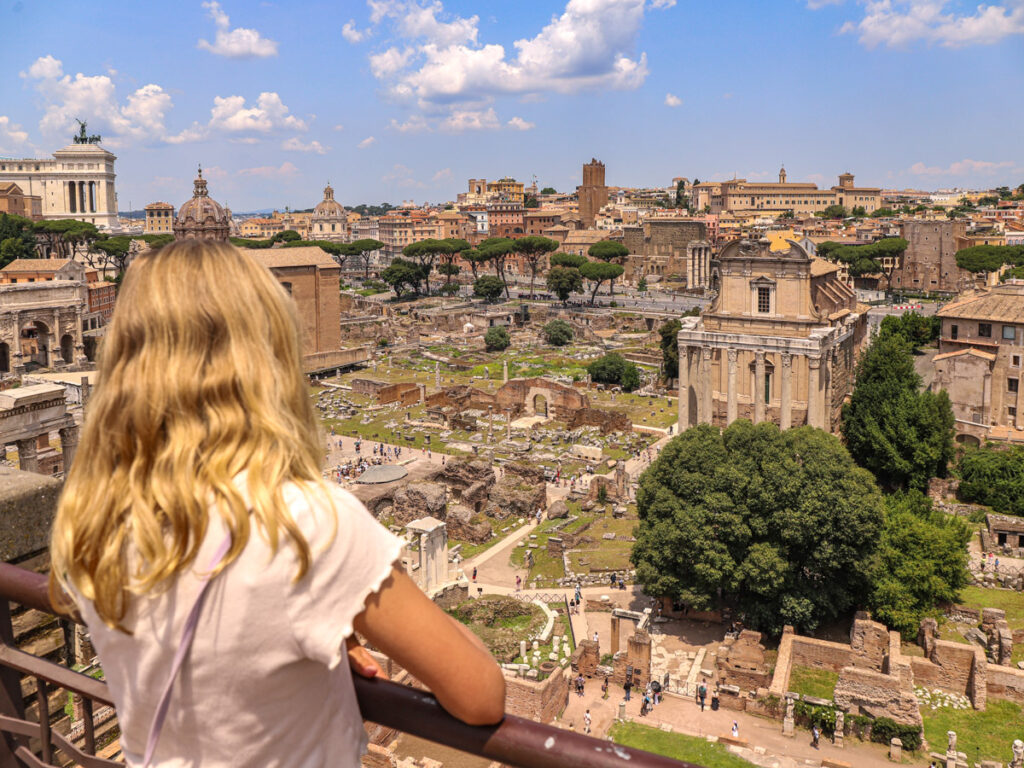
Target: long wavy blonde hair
199 380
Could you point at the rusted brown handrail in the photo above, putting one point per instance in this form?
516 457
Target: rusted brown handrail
515 741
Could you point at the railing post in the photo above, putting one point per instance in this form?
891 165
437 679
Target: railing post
11 703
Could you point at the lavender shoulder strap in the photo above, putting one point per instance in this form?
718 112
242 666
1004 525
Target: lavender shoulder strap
187 635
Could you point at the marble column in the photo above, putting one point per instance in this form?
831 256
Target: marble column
786 393
730 410
759 386
814 391
684 389
986 399
68 446
28 455
708 384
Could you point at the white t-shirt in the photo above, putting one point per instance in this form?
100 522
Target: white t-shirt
267 682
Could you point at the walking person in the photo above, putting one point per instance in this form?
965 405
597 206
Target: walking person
586 722
626 686
208 485
474 574
604 688
519 583
735 729
815 735
702 693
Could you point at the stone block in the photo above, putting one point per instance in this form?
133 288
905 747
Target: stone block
28 502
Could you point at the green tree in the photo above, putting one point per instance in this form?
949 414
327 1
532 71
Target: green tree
669 348
916 329
902 435
488 287
557 333
425 253
859 211
117 250
563 281
549 191
608 250
402 274
599 271
361 250
449 271
832 212
531 202
475 258
456 246
613 368
642 285
567 260
16 238
866 259
882 213
497 250
497 339
993 477
779 525
989 258
533 249
286 236
921 562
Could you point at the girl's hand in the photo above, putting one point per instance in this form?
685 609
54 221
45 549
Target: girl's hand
360 660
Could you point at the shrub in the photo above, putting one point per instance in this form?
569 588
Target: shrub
557 333
815 714
885 729
382 342
613 368
496 339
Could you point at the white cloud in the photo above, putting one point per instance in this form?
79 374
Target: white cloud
230 114
141 117
338 127
11 135
443 174
897 23
671 100
196 132
351 33
295 144
415 124
237 43
589 46
369 141
284 170
815 5
401 176
964 167
389 62
662 5
470 120
520 125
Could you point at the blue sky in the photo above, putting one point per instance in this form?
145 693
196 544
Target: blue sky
406 99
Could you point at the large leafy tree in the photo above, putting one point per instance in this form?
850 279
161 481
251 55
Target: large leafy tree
598 272
609 251
475 257
488 287
533 248
497 250
448 268
425 253
865 259
557 333
993 477
362 250
916 329
496 339
989 258
902 435
402 274
921 562
563 281
574 260
779 525
16 238
669 348
613 368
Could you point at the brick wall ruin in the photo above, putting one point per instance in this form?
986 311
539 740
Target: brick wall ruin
541 701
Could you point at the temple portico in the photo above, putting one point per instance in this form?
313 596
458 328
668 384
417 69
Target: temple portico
778 344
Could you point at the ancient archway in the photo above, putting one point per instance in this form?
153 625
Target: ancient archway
965 439
35 344
90 348
540 405
5 357
67 348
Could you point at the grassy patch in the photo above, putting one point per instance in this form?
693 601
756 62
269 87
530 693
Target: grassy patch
819 683
676 745
1011 602
982 735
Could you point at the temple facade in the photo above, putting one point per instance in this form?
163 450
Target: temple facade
778 343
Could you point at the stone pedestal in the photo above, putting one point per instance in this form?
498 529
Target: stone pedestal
896 750
837 737
788 723
622 710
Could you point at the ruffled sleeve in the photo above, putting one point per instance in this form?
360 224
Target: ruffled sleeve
345 571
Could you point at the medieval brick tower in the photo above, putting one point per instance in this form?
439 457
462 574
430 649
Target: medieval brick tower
592 194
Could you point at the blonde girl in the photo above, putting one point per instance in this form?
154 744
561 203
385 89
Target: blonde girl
197 488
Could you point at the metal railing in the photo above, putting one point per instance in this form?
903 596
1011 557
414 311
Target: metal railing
515 741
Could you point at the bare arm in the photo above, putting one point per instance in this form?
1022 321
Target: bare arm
440 652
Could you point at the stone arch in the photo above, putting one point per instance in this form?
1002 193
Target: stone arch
35 343
539 404
67 348
965 439
5 357
90 348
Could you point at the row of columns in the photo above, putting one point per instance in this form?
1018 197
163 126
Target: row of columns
86 197
701 374
698 265
28 451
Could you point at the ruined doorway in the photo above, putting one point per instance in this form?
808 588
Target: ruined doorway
5 357
35 344
67 348
540 405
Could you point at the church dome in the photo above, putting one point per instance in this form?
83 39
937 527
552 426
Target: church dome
328 207
202 217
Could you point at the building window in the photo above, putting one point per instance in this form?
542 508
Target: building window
1009 332
1012 384
985 330
1011 412
764 300
1015 361
954 331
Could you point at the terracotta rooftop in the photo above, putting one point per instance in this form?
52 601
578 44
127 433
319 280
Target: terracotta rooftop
821 267
302 256
1003 303
35 265
988 356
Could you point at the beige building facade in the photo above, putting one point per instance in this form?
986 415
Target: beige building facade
778 343
159 219
802 198
667 247
981 351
